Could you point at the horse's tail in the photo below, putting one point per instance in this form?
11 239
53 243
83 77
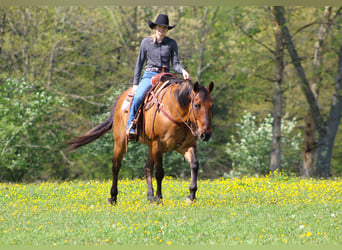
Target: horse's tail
93 134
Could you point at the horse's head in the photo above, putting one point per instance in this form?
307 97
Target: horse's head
201 110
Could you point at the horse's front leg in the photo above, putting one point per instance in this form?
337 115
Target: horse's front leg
158 161
148 175
190 156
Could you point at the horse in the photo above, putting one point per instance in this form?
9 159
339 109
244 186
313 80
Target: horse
180 114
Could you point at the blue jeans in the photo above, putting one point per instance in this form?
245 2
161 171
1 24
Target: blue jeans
144 86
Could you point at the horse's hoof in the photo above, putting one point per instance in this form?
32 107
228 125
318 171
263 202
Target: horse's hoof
189 201
150 199
160 202
111 202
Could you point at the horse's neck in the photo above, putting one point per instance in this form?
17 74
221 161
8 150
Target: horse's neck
181 112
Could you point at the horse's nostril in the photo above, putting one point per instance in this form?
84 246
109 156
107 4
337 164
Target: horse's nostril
205 136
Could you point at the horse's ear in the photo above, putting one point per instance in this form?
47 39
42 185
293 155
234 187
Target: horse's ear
211 87
196 87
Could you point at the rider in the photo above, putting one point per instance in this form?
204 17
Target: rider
157 51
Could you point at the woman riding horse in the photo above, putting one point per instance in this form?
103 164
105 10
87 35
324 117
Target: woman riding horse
157 51
181 114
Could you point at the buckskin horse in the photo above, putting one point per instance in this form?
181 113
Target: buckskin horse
180 112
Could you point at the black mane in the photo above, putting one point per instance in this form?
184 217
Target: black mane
183 91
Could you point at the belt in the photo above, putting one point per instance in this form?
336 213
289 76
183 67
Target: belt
154 69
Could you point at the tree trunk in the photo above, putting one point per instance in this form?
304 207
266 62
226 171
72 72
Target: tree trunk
326 143
310 144
277 98
25 48
52 54
2 31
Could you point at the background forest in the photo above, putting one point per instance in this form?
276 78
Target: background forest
62 68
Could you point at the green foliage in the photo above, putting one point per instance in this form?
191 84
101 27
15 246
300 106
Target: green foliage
251 152
28 134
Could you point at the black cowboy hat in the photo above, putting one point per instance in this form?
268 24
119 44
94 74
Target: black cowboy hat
163 20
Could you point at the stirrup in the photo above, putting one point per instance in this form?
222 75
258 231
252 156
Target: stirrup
131 136
131 132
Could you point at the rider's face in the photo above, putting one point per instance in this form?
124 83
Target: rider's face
161 31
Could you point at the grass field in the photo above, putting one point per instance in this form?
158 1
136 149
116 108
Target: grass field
276 210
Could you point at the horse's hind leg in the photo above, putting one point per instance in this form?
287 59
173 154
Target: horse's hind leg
148 175
119 150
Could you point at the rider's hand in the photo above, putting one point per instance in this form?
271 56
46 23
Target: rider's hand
134 89
186 75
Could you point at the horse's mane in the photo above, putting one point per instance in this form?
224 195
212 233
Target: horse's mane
183 91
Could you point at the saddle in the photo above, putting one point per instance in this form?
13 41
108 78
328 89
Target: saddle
159 82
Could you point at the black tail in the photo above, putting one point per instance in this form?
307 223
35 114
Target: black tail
93 134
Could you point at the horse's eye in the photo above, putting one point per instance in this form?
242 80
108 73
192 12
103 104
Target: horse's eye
197 106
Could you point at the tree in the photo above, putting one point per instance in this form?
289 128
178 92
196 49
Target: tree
205 27
278 54
2 30
277 97
29 131
310 143
326 129
251 151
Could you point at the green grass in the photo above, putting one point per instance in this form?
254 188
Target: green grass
251 211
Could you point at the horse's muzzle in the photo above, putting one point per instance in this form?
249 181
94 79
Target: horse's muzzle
205 136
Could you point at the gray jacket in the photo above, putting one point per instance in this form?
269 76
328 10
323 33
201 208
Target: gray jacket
157 55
